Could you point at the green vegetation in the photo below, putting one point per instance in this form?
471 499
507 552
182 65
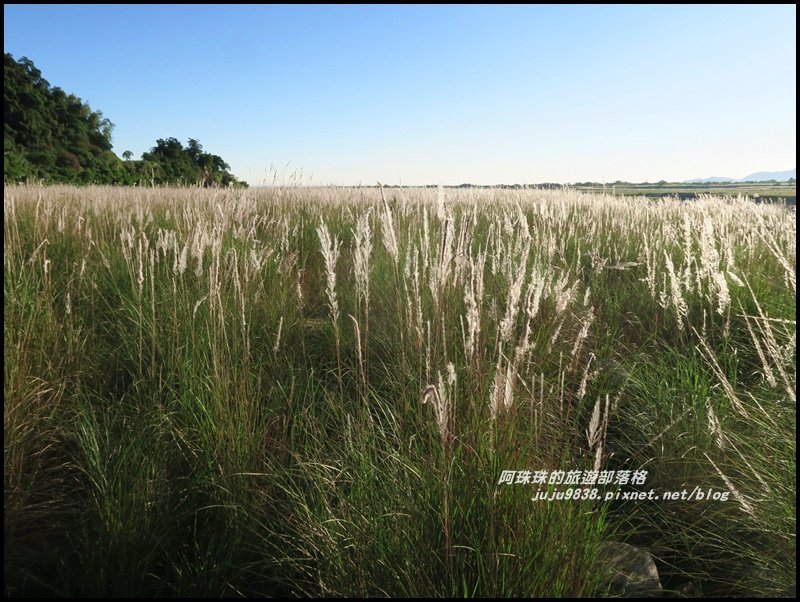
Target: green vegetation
314 392
770 191
52 136
774 191
169 162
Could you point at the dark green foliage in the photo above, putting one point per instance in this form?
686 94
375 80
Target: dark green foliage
170 163
53 136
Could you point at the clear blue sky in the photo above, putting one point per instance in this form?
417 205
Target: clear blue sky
435 94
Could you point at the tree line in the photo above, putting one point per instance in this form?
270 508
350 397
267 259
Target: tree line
52 136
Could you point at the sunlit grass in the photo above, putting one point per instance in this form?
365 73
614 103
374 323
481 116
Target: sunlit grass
221 392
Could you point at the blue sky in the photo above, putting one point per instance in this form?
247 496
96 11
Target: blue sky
435 94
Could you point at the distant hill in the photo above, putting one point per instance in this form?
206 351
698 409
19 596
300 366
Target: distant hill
759 176
762 176
711 180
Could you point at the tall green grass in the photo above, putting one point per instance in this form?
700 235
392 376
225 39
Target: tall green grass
185 414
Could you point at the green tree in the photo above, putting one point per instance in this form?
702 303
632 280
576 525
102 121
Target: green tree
49 134
176 164
53 136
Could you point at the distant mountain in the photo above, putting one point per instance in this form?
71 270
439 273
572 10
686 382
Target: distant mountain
711 180
759 176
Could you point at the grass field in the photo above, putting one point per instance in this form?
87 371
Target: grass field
762 191
315 392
